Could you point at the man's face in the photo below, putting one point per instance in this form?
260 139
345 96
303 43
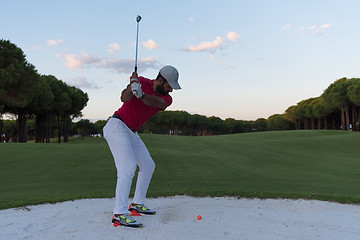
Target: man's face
163 88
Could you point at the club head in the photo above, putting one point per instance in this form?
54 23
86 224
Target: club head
138 18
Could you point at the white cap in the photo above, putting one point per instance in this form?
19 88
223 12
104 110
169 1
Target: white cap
171 75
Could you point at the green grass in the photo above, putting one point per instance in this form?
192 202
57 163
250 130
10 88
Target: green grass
320 165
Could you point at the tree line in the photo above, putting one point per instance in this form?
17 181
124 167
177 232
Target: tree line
50 105
26 94
184 123
337 108
168 122
80 129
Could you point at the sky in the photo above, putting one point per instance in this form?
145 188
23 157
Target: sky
236 59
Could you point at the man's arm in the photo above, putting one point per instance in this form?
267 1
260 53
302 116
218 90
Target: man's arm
147 99
154 101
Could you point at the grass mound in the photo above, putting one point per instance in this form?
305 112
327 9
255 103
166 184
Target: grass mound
288 164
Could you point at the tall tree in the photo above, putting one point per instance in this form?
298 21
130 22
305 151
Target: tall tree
84 127
79 100
354 97
319 111
279 122
198 124
41 107
261 124
303 112
19 84
217 126
309 111
62 102
336 95
292 115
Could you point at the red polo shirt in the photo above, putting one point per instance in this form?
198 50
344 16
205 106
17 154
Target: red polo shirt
134 112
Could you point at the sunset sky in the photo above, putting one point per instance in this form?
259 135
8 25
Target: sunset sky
238 59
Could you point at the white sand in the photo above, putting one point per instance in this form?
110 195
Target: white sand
222 218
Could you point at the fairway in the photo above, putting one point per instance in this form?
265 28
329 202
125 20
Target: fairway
320 165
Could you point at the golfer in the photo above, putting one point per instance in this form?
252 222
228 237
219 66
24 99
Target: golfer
142 99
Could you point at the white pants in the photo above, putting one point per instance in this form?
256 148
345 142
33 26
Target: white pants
128 151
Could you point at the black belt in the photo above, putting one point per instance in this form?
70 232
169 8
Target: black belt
118 117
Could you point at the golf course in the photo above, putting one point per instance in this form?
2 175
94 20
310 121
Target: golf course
311 164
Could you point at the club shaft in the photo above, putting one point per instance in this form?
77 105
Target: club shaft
136 53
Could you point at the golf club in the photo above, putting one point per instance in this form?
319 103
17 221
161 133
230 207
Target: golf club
138 19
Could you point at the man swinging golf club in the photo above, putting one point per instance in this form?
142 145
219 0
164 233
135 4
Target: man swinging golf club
142 99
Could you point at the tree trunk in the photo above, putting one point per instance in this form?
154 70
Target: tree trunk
21 124
347 117
357 119
319 123
342 118
306 124
63 125
1 128
48 127
59 128
325 123
39 128
354 118
67 122
312 123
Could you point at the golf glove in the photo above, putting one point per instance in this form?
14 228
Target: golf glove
137 90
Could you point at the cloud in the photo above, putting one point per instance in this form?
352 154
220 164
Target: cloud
75 61
127 65
325 26
150 44
86 60
233 37
308 30
217 44
113 48
206 46
54 42
72 61
81 82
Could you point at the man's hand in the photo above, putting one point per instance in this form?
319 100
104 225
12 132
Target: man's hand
136 86
134 78
137 90
127 93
